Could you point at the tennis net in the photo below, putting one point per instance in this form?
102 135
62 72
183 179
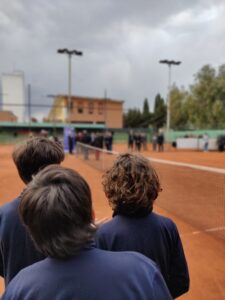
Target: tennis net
98 158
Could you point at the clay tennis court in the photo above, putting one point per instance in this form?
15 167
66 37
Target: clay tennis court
205 249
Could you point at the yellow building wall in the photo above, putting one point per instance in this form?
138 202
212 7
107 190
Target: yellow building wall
109 112
88 110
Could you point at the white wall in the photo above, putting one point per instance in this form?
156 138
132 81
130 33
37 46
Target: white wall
13 92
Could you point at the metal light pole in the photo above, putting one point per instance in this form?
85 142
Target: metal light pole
69 53
169 63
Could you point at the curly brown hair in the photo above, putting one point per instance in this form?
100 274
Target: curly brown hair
131 185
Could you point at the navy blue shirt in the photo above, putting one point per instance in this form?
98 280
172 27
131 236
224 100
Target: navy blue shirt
17 250
154 236
92 275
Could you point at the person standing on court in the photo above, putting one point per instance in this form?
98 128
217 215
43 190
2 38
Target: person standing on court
70 142
17 250
130 140
132 186
206 142
57 210
154 141
160 142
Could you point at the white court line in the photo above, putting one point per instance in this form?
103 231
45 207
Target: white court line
215 229
192 166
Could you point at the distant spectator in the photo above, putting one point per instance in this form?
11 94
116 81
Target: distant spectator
138 141
206 142
130 140
221 143
108 139
144 141
93 136
154 141
86 139
160 142
70 141
98 144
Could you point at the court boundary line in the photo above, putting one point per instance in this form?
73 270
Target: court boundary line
196 232
187 165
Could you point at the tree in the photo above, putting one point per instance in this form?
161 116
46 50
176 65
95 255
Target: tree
206 107
178 108
133 118
159 114
146 115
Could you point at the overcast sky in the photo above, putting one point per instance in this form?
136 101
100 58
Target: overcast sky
122 42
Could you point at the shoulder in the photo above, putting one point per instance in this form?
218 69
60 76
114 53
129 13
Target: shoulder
110 226
21 284
10 209
163 221
127 261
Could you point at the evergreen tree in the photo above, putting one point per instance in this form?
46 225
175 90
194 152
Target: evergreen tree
159 114
146 115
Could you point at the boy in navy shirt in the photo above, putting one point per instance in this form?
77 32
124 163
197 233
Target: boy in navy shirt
16 248
56 207
131 187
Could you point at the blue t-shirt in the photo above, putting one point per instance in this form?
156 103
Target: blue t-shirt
92 275
17 250
154 236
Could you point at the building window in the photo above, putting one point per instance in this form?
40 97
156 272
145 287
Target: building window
100 108
91 107
80 108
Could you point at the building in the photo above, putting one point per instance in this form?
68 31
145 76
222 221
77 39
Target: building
13 94
7 116
87 110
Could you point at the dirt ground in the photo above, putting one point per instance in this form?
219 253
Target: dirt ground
205 252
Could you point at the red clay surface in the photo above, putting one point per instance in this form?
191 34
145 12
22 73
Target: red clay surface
205 253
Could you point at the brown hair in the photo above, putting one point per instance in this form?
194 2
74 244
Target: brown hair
56 207
131 185
34 154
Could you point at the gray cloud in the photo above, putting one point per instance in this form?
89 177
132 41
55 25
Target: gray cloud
122 43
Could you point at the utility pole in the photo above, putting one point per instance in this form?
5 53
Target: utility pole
169 63
69 54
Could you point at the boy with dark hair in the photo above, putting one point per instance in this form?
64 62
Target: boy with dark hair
132 186
56 207
16 248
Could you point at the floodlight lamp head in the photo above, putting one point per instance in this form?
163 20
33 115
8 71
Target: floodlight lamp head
62 50
78 52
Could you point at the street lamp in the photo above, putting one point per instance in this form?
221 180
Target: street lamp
69 53
169 63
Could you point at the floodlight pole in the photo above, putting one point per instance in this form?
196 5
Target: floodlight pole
69 53
169 63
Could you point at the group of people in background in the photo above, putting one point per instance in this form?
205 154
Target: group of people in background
52 248
158 141
96 139
137 141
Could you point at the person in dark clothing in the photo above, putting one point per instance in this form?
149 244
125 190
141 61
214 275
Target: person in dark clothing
99 141
132 186
138 141
17 250
160 142
86 139
131 140
70 142
56 208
